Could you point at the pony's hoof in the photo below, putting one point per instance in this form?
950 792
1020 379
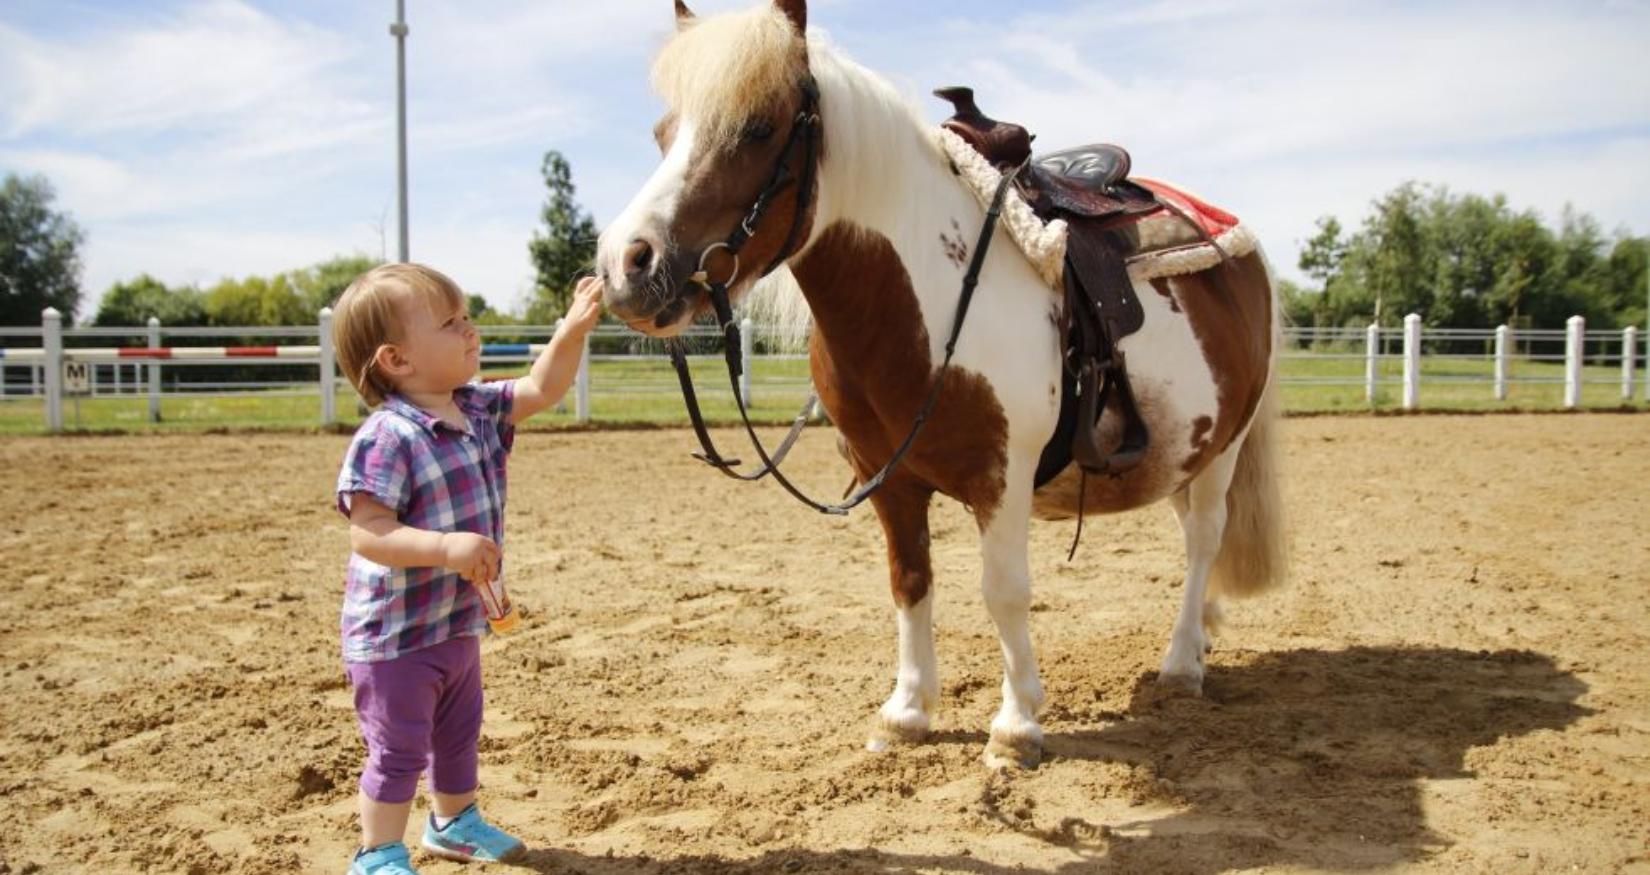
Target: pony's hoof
1023 753
1190 682
905 727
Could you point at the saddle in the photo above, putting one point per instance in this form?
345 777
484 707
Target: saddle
1088 187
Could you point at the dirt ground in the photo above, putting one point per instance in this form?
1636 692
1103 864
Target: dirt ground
1454 681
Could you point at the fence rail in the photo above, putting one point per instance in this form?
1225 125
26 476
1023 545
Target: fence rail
52 363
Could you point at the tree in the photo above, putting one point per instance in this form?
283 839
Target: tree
39 253
564 248
320 285
1321 260
132 303
256 301
1466 261
1628 262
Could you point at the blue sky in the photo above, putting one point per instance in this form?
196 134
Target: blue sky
197 139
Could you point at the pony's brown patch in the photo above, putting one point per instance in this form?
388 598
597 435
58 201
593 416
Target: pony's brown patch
956 248
1162 287
1201 427
1230 311
871 367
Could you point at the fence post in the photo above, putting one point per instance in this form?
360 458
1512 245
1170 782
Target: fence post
582 381
51 335
329 390
1629 355
747 351
1575 336
1503 338
1372 352
154 371
1412 361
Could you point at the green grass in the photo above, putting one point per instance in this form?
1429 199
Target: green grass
646 392
1448 384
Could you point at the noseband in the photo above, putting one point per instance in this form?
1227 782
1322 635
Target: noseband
805 127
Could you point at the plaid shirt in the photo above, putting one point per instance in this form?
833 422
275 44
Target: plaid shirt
435 477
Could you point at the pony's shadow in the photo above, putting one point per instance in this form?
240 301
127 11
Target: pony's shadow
1305 757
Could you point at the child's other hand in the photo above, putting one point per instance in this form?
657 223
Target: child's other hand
474 557
586 307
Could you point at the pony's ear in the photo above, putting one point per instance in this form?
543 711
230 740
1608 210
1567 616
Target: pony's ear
796 11
683 14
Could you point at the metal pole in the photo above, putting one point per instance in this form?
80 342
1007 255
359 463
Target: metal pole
582 380
399 31
1575 340
154 371
1502 345
1412 361
329 390
51 327
1629 355
1372 348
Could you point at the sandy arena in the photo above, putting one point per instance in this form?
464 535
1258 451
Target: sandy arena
1455 680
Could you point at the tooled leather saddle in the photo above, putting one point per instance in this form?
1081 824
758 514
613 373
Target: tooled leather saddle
1088 187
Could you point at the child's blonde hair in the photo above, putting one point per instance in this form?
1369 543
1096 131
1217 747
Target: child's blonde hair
366 318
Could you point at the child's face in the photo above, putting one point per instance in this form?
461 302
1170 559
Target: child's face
441 346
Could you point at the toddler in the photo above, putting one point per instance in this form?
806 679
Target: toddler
423 485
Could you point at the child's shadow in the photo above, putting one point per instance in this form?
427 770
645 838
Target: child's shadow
1303 758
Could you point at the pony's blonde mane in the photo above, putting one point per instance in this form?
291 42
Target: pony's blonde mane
725 70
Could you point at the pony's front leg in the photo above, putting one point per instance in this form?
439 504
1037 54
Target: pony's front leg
906 716
1016 737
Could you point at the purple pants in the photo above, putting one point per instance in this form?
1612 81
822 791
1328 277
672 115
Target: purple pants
420 711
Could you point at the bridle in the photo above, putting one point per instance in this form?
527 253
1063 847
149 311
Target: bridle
806 127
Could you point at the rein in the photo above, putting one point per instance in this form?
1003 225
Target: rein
717 290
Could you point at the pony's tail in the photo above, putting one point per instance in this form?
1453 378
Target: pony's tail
1253 554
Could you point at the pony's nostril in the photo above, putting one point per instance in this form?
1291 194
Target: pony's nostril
638 256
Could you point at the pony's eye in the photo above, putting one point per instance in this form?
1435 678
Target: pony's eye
758 130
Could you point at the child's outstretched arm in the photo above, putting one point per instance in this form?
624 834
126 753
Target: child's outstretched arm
556 367
376 534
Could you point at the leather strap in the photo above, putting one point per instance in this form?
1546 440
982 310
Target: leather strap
730 331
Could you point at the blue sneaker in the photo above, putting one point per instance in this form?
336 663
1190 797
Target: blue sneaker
469 839
390 859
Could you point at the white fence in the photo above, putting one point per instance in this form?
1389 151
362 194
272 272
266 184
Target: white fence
54 363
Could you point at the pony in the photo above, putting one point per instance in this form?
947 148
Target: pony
867 214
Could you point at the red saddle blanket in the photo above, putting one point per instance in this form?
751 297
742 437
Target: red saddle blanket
1212 219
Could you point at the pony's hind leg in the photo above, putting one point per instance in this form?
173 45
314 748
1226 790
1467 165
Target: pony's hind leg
1016 737
1201 507
906 716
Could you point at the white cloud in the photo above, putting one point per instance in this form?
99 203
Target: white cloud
210 63
217 137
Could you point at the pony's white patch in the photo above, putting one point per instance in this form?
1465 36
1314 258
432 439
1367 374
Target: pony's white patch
649 214
1044 244
909 710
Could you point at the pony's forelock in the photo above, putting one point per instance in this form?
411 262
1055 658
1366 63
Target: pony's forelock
722 71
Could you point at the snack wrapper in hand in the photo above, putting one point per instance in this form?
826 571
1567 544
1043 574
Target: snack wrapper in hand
501 612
